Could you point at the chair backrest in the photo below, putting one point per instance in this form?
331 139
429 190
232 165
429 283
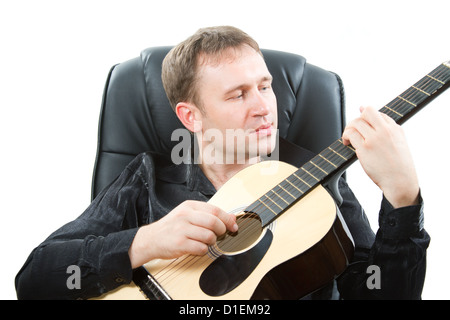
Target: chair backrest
136 115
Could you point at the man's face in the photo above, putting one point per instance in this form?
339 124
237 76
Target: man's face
239 104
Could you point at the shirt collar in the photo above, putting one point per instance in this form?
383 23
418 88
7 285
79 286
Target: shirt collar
196 180
188 173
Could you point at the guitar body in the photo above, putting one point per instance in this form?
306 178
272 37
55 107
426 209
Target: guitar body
302 250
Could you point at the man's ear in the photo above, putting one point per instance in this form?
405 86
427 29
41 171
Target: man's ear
189 115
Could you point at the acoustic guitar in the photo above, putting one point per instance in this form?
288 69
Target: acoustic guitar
292 239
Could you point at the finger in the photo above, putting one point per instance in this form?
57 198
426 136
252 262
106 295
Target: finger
372 117
355 132
387 118
201 234
227 220
195 247
207 221
351 136
363 127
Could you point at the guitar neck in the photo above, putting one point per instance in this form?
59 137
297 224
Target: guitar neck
337 157
419 95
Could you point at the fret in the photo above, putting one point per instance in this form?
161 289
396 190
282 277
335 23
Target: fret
302 180
398 113
399 107
334 157
403 104
310 174
441 82
338 154
312 171
287 192
318 167
344 150
349 147
293 185
262 202
324 162
273 202
389 111
320 155
441 73
435 79
407 101
420 90
331 157
428 85
414 96
275 193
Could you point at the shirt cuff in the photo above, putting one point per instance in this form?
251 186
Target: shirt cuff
115 268
400 223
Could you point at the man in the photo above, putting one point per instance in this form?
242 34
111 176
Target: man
217 81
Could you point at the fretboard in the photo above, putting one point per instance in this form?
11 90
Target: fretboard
337 156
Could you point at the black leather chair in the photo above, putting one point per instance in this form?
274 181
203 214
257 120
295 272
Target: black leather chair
136 115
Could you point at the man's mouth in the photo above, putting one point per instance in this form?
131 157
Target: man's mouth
264 130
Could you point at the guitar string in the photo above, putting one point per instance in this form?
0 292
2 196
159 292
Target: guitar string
409 94
188 261
415 92
428 82
405 100
179 262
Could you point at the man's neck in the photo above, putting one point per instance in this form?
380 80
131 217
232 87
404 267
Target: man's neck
219 174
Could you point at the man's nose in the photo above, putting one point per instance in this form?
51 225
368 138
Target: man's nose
259 105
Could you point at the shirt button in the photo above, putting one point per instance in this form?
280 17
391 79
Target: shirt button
391 222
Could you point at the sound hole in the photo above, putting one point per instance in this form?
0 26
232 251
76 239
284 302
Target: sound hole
250 229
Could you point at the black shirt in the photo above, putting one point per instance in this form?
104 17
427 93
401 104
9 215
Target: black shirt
151 186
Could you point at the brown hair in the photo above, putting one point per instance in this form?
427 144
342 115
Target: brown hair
180 66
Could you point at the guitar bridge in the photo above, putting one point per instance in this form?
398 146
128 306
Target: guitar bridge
148 285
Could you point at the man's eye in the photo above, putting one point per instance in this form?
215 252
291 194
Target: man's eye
238 96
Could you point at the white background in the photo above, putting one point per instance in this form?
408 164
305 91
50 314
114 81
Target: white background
55 56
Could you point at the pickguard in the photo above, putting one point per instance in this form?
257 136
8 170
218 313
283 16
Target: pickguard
229 271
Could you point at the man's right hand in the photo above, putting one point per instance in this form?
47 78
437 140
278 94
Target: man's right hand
188 229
